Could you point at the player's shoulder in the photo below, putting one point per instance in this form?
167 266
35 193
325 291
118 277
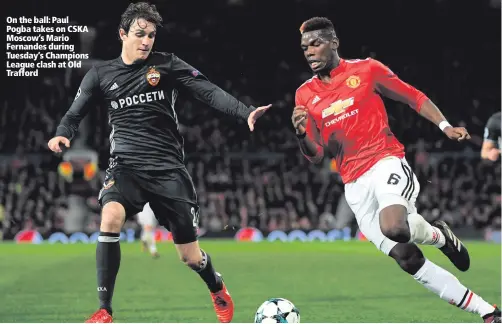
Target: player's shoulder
304 86
104 67
362 64
161 55
158 58
105 63
494 120
364 61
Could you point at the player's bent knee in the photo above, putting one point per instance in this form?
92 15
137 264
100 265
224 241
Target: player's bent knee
190 254
195 263
393 223
112 217
408 256
400 234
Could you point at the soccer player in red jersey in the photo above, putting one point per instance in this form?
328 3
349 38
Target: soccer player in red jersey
339 113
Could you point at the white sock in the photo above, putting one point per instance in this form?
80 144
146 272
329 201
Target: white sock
447 286
424 233
151 242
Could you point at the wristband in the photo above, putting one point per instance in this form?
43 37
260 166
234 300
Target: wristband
300 136
442 125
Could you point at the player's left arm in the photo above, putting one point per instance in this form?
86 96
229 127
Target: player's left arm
489 149
204 90
388 84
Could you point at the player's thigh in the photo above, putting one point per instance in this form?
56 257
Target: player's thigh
179 217
175 205
361 199
395 184
372 231
122 187
146 217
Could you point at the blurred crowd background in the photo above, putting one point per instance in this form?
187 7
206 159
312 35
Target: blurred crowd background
448 49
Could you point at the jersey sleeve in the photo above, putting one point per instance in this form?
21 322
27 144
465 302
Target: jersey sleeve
313 134
389 85
86 95
492 129
205 91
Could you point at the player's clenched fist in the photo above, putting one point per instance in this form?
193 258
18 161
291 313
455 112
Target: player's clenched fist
299 119
55 141
457 133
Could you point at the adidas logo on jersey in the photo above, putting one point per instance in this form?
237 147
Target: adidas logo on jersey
316 100
114 86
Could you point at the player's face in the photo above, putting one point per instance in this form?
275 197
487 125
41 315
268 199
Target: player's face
319 49
138 42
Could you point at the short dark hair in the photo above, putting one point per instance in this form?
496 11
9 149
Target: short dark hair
140 10
316 23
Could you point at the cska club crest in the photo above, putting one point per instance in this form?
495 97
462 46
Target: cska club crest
153 77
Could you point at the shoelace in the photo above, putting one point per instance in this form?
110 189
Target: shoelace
220 301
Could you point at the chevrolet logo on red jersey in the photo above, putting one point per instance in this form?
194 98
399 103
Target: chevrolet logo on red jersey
337 107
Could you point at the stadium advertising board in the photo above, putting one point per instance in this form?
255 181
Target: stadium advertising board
246 234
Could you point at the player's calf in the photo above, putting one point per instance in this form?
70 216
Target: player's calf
108 252
393 223
441 282
408 256
199 261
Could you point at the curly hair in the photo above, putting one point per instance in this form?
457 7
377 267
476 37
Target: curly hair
140 10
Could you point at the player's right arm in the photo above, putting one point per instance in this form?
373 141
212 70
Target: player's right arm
391 86
489 149
207 92
68 127
308 134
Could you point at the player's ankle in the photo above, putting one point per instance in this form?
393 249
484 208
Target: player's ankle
438 237
424 233
107 308
217 286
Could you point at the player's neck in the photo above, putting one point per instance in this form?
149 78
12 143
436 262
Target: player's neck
126 59
325 76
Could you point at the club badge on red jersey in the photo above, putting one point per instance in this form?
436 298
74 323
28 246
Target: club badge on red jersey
353 81
153 76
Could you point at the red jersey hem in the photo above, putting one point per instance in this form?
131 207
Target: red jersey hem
367 166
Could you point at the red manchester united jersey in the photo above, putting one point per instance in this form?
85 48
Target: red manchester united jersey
347 118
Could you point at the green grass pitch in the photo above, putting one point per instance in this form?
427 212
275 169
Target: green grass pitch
328 282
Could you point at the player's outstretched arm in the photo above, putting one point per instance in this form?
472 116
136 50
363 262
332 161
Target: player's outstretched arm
212 95
388 84
431 112
489 149
68 127
308 135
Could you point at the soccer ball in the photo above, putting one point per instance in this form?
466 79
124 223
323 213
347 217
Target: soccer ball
277 310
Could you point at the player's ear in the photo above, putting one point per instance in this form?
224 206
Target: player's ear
335 43
123 34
